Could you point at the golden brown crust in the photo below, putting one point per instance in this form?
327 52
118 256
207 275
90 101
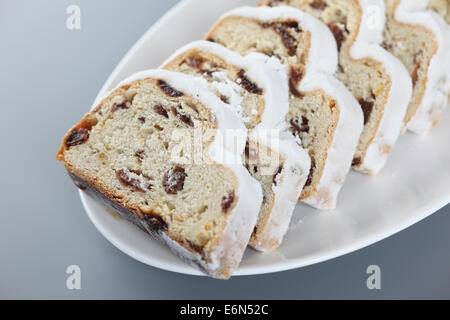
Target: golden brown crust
86 121
310 191
149 221
381 114
151 224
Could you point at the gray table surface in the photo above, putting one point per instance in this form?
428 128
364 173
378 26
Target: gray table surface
49 77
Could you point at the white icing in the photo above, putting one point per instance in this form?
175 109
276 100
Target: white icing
414 12
322 64
367 45
370 35
373 21
345 141
234 92
271 76
227 253
260 74
297 163
289 185
199 89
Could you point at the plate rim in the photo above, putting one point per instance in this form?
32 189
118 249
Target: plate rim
298 263
416 216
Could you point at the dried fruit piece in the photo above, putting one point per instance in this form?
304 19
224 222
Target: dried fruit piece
161 111
195 62
77 137
356 162
142 119
311 172
155 222
245 83
294 91
284 29
273 3
194 247
169 90
125 104
275 176
224 99
183 117
318 5
128 181
296 77
140 154
309 180
227 201
173 180
297 128
367 108
338 34
387 46
332 104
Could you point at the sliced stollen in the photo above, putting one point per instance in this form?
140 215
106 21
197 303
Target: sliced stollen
377 79
419 38
257 87
322 112
441 7
126 153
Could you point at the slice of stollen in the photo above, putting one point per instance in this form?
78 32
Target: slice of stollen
442 8
322 112
125 152
376 78
257 88
420 39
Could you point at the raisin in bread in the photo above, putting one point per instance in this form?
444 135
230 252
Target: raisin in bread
126 153
376 78
419 38
322 112
257 87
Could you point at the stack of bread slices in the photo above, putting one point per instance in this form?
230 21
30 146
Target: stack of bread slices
211 152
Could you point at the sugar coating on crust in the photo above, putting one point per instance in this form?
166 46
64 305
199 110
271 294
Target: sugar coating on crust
320 107
368 44
420 39
214 226
289 178
377 80
223 69
272 156
441 7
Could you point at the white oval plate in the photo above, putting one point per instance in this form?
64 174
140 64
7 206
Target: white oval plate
414 184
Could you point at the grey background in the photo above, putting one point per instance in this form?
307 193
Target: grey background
49 77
